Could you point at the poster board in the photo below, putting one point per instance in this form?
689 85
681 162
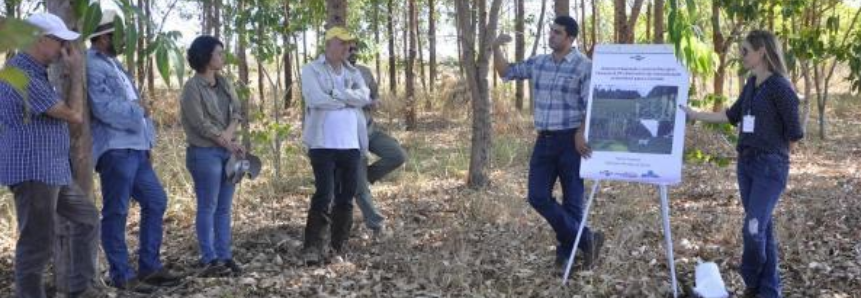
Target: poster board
633 123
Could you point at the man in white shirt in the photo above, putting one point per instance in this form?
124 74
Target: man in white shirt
336 137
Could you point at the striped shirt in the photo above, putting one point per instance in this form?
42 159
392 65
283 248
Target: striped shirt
36 149
561 89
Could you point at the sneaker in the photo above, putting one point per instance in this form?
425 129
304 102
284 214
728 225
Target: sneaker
163 278
591 255
560 263
380 232
231 265
311 257
135 285
212 269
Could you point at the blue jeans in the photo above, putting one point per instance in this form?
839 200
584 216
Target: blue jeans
127 174
554 157
761 180
214 201
392 156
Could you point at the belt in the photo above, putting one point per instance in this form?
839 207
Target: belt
550 133
752 151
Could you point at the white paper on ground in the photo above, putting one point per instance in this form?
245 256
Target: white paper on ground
709 282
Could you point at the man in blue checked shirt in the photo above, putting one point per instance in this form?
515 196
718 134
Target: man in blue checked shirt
123 136
34 162
561 83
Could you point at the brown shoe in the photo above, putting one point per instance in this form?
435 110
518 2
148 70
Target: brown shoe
591 255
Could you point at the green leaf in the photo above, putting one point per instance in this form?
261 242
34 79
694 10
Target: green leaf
91 19
19 81
179 63
17 34
119 35
131 40
15 78
163 63
80 8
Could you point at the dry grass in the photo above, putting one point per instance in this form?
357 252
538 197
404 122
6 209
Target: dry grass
450 241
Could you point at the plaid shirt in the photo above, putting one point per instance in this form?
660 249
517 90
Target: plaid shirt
561 89
39 149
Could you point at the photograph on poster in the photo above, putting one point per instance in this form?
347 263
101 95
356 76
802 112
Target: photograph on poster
633 119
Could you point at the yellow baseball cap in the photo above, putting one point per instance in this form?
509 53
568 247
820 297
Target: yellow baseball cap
339 33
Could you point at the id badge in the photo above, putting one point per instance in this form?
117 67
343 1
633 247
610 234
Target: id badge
748 124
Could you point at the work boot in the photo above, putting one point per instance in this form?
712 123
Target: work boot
316 228
593 252
342 224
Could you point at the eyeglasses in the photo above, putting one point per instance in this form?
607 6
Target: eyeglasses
61 41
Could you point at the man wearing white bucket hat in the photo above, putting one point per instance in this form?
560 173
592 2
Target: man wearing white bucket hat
34 163
123 135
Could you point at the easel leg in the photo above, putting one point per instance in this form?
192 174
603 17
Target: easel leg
580 232
665 214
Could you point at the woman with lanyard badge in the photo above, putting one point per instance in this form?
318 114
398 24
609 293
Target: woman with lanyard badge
767 113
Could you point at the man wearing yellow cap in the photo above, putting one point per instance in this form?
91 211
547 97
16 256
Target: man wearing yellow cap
336 137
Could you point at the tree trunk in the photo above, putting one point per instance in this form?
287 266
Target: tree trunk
561 8
821 97
718 40
412 27
420 53
538 31
216 18
432 47
595 28
459 32
659 22
476 72
80 151
261 87
150 72
206 17
337 13
624 25
138 73
393 72
649 12
630 27
376 25
243 73
805 107
519 48
288 65
582 23
619 20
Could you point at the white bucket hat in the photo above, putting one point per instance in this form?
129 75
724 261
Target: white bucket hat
106 25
